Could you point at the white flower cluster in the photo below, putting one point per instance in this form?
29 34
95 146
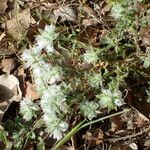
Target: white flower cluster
95 80
90 57
110 99
46 77
117 11
28 108
89 109
45 39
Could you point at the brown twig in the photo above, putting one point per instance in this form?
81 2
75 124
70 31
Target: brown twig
130 136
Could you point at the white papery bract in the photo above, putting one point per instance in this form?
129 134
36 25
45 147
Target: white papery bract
40 67
41 72
28 109
95 80
110 99
46 37
55 75
30 56
55 126
117 11
53 99
89 109
90 57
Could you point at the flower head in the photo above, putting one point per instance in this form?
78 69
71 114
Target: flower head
90 57
30 56
45 39
55 126
53 99
95 80
89 109
28 109
110 99
116 11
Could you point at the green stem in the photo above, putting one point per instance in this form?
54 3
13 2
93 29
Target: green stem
68 136
81 125
104 118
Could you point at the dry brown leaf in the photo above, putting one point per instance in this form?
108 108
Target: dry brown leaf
116 123
144 34
89 22
95 138
8 65
65 12
3 5
89 35
10 92
7 48
66 148
90 17
2 36
19 24
89 12
31 91
105 9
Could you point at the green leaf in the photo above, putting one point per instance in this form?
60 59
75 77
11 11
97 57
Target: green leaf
3 137
40 145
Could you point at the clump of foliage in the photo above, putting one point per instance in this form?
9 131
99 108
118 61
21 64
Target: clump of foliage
68 78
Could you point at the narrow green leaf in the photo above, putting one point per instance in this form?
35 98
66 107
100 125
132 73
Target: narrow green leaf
3 137
40 145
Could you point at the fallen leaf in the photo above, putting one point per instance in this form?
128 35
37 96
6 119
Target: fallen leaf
7 47
18 25
66 148
7 65
144 34
89 12
90 17
2 36
116 123
3 5
9 91
88 35
31 91
88 22
95 138
65 12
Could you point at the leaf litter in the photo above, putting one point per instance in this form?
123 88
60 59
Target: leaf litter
126 129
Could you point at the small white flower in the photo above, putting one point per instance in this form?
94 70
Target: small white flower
45 73
116 11
110 99
90 57
53 100
55 75
118 102
95 80
30 56
54 93
45 39
28 109
89 109
55 126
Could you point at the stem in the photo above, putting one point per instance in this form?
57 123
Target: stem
81 126
103 118
68 136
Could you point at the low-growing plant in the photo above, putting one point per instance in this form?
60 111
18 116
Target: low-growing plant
73 76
